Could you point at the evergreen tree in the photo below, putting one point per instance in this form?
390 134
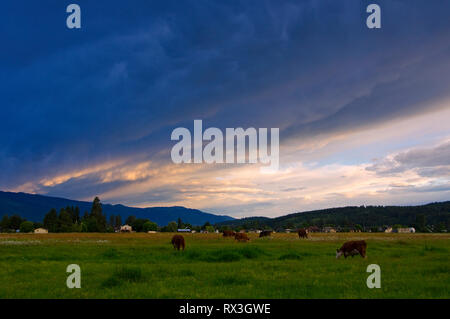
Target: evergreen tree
118 221
51 221
96 209
112 220
98 216
172 227
130 220
5 224
15 221
180 223
77 214
65 223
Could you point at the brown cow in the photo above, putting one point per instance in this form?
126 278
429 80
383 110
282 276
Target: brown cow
178 242
241 237
265 233
228 233
352 248
313 229
302 233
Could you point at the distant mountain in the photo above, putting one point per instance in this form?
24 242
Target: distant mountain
366 216
34 207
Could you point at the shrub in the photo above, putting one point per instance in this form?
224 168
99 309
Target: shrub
26 227
150 226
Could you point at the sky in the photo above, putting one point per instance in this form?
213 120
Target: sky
363 113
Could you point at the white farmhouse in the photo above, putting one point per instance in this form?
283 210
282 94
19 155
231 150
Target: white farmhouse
41 231
126 229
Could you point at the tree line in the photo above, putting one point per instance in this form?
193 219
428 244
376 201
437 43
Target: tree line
434 217
69 220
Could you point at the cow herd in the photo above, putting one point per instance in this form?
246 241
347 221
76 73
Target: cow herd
350 248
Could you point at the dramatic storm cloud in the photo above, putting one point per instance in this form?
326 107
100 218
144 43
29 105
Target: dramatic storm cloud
363 114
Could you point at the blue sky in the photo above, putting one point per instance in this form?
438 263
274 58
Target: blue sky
363 114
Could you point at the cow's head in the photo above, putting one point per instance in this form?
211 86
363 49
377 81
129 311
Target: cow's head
338 253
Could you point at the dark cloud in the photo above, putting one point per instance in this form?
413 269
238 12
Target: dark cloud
117 87
84 187
157 195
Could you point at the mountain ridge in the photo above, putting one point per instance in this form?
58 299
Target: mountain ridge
437 212
35 206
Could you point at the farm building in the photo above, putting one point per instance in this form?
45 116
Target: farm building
183 230
328 230
405 230
388 230
151 232
126 229
41 231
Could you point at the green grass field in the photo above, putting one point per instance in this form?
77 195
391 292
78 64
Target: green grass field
146 266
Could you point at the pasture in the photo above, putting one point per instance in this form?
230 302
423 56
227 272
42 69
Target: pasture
140 265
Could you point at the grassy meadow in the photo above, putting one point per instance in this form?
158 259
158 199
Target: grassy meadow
142 265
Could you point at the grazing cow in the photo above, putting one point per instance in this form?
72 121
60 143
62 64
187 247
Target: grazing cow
302 233
241 237
228 233
265 233
352 248
178 242
313 229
